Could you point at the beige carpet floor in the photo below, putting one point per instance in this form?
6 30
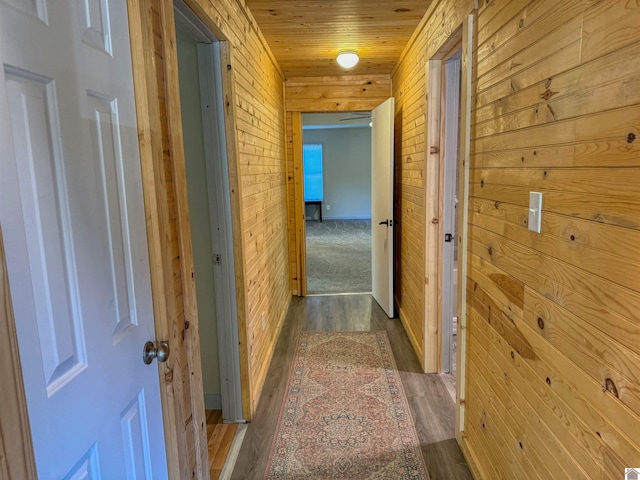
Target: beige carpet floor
338 256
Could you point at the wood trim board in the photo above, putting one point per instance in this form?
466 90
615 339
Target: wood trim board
466 100
179 176
433 192
301 234
228 82
149 136
431 345
16 449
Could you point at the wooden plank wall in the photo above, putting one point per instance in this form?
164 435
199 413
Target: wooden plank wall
259 161
347 93
553 357
557 111
410 91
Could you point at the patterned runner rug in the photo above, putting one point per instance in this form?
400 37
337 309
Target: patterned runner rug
345 414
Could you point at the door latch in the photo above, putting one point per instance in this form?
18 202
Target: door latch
448 237
217 259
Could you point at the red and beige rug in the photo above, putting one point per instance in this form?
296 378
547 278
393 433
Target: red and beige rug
345 414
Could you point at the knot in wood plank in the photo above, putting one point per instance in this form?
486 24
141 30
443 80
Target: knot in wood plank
610 387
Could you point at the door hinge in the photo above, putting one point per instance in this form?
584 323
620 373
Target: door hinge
217 259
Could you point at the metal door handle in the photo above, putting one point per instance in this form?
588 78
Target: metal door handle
388 223
150 351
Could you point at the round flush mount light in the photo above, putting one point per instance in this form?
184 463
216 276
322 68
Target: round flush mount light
347 58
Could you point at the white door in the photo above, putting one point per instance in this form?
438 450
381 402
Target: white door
71 209
382 205
451 116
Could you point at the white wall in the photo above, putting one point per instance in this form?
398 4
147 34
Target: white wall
347 171
199 214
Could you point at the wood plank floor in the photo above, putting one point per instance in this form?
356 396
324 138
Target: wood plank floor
431 405
219 438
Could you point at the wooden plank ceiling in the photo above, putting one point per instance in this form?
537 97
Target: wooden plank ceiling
306 35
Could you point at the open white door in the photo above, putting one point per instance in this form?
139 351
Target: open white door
71 209
451 117
382 205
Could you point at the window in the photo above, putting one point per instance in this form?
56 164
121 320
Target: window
312 160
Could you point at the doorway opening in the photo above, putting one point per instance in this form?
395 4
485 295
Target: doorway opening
449 74
447 170
209 199
382 222
337 197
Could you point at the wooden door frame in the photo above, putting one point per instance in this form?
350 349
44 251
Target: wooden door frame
161 257
432 347
361 99
209 62
300 254
16 448
299 209
433 192
158 234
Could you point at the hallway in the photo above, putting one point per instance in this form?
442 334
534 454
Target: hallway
431 405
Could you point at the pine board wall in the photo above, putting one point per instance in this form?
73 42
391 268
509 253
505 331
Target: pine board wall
553 323
258 104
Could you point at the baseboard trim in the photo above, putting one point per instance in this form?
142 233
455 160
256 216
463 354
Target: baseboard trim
232 456
262 374
417 348
213 401
472 461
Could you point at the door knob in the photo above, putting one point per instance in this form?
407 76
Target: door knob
150 351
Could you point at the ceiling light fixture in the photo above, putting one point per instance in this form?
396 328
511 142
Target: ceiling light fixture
347 58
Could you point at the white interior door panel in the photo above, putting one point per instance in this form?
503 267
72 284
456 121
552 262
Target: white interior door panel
71 209
382 205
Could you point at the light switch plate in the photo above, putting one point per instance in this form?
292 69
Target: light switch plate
535 211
